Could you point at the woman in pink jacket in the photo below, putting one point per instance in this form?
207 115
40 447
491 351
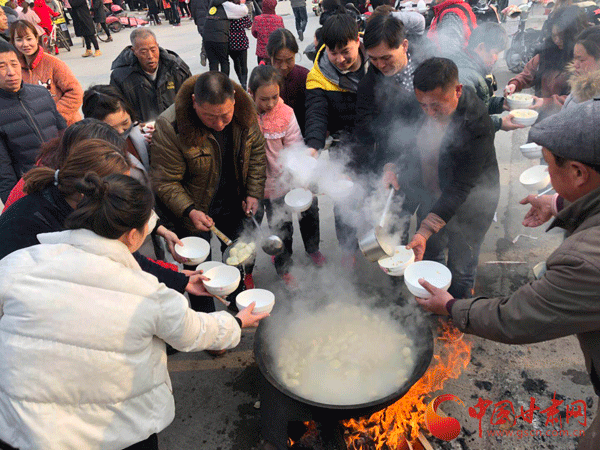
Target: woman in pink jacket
281 130
26 12
46 70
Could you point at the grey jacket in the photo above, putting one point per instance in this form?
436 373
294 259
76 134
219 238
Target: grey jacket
298 3
565 301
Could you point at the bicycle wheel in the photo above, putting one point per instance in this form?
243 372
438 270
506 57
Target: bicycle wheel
115 27
62 40
100 33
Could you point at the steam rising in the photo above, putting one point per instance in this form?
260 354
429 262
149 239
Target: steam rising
334 344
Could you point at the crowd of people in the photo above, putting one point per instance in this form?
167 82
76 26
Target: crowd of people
161 154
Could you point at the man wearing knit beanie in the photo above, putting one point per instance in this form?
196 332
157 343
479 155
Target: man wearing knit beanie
565 300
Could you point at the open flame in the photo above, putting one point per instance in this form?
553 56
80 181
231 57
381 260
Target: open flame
398 424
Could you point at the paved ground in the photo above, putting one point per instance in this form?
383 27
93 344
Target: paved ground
215 397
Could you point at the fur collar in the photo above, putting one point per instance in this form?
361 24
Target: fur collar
190 127
584 87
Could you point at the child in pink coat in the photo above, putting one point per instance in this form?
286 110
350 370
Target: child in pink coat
279 125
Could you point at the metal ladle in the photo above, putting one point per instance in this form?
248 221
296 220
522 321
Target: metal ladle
271 245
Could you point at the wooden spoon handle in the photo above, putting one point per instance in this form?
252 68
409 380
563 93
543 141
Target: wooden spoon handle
221 236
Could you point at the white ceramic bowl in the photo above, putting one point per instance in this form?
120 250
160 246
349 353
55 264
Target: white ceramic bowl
207 265
148 126
299 200
338 189
525 117
519 101
223 280
264 300
396 264
195 250
531 150
433 272
535 178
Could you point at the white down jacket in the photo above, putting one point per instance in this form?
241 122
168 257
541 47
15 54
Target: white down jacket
82 344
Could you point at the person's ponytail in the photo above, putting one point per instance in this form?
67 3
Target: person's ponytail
111 206
93 155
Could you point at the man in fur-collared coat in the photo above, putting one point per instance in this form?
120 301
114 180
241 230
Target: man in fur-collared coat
208 157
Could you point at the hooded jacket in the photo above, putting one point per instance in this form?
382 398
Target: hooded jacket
264 25
82 350
44 13
563 302
29 119
148 98
583 87
185 156
330 99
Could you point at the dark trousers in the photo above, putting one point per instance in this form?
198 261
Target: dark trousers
185 9
231 224
240 65
218 55
149 444
345 233
174 18
280 223
105 28
462 237
301 18
89 40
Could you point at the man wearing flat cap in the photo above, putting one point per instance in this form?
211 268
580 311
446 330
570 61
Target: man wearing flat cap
566 300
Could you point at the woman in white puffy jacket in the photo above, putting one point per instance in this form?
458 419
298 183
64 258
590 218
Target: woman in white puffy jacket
83 330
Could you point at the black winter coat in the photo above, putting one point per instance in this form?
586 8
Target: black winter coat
467 168
149 98
29 118
199 9
82 18
46 212
216 26
386 115
99 11
329 107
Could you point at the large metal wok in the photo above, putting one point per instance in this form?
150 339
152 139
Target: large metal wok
422 338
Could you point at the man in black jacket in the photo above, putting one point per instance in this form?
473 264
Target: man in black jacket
147 75
386 107
29 118
452 174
